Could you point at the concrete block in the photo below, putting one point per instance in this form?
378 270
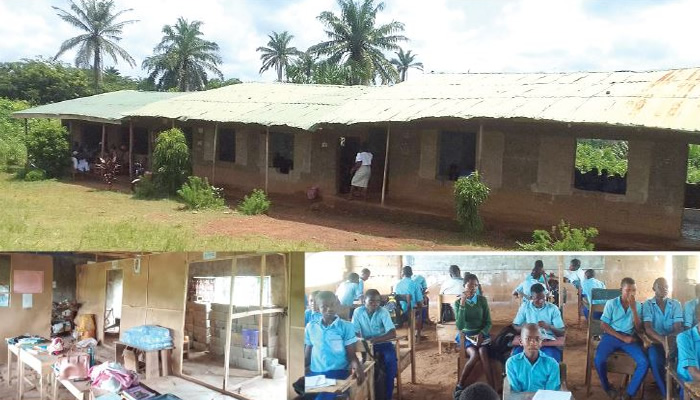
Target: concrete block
248 364
217 316
253 353
277 372
199 346
236 352
202 323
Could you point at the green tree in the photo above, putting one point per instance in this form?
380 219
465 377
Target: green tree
98 20
358 43
13 151
113 81
183 58
218 83
278 53
405 61
171 161
42 81
48 148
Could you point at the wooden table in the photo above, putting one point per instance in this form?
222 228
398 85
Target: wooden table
41 363
357 392
559 342
153 368
11 349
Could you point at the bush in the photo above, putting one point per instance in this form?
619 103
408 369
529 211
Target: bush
171 161
13 151
34 175
469 194
146 188
48 147
198 194
562 238
255 203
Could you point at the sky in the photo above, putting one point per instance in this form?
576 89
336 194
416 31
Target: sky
447 35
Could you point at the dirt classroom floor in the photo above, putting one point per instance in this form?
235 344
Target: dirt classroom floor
436 375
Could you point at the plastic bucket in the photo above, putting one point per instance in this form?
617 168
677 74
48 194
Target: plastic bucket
250 338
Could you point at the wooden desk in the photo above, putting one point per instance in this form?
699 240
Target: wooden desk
559 342
41 363
11 349
357 392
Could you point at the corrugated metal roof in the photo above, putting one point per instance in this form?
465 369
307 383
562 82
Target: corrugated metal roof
657 99
106 108
268 104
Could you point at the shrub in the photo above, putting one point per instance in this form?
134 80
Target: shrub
48 147
171 161
108 167
255 203
562 238
198 194
13 151
34 175
469 194
146 188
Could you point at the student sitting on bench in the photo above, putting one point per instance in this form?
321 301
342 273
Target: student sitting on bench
408 286
536 276
689 353
532 370
330 343
620 322
662 317
312 312
587 286
690 319
474 319
546 315
373 323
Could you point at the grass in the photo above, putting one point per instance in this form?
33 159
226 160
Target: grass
51 215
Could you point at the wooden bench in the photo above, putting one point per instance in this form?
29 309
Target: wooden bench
355 391
445 332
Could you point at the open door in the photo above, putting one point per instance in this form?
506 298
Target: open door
113 306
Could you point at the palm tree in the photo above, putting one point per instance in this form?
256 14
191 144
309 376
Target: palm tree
278 54
404 61
183 58
102 33
357 42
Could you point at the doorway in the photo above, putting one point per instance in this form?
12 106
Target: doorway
349 146
113 306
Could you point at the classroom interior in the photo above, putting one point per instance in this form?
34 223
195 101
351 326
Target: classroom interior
430 365
108 296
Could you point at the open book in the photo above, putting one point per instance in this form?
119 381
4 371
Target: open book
551 395
317 381
473 339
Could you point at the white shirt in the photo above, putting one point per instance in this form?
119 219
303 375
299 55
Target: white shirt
452 286
578 275
364 157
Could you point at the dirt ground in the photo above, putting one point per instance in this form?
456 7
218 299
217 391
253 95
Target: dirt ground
436 375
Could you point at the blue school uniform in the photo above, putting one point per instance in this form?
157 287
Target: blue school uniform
525 376
622 321
549 313
662 323
347 292
310 315
379 323
587 286
689 317
328 352
688 353
525 287
408 286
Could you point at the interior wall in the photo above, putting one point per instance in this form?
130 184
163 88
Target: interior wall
37 319
65 278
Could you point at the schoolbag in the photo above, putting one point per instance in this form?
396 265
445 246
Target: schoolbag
501 345
448 314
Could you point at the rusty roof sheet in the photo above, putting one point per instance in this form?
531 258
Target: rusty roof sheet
656 99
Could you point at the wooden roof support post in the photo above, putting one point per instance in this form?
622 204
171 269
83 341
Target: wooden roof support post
561 281
131 149
267 158
213 154
263 268
150 149
104 139
386 161
229 323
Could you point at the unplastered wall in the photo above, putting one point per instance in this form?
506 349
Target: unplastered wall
37 319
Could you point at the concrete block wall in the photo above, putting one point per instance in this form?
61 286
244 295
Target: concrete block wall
241 356
197 324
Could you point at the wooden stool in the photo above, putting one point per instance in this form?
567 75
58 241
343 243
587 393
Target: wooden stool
157 361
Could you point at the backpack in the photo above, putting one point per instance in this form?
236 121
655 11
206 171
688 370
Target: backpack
448 314
501 345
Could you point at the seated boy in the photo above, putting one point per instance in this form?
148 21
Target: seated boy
532 370
408 286
587 286
312 311
349 291
330 343
662 317
620 322
689 317
689 352
476 391
546 315
373 323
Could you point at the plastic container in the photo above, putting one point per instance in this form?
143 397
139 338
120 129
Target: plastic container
250 338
